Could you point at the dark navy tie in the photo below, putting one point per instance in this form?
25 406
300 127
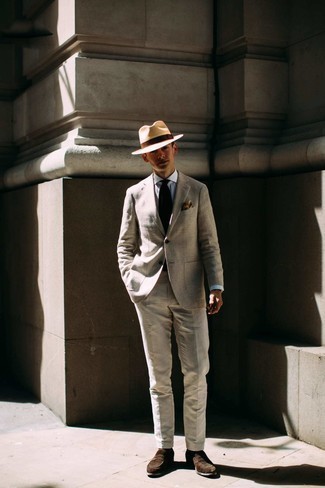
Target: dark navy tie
165 204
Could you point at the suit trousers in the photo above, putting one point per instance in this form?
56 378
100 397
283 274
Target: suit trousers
158 314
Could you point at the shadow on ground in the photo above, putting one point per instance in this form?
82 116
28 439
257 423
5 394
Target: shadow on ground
304 474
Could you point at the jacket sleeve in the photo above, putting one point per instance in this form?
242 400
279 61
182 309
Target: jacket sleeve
208 240
127 246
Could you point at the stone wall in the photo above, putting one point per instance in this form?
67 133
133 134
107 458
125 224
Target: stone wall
9 85
271 128
286 357
104 71
73 335
33 290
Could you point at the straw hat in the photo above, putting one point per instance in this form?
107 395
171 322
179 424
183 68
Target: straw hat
154 136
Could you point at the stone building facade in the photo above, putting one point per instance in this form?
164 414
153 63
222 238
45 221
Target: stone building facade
243 80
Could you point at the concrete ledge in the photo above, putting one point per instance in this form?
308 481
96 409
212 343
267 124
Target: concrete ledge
241 160
94 161
306 155
116 161
286 388
312 395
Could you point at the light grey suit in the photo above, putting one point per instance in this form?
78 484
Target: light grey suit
174 299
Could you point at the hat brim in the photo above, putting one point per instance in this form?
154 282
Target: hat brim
156 146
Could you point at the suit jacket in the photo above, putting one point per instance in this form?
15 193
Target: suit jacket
190 246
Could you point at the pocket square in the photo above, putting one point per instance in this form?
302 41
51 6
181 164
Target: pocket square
187 204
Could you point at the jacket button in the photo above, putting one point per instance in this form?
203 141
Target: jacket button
167 241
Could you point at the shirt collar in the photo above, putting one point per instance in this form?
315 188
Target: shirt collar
173 177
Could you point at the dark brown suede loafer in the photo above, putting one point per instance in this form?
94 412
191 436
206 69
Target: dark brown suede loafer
161 463
201 463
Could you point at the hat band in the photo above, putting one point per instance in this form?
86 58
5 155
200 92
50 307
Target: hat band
155 140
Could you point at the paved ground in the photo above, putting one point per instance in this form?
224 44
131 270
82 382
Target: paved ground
38 451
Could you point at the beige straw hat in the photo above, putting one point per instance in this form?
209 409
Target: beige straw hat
154 136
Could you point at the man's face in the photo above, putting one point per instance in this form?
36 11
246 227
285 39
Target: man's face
162 160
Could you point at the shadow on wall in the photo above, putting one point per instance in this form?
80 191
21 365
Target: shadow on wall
270 231
23 311
22 305
239 205
277 378
294 257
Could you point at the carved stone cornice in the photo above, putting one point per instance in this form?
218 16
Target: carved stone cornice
302 156
116 161
103 47
113 161
248 47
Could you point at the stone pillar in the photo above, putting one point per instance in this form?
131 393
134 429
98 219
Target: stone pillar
271 123
107 68
72 332
253 83
33 294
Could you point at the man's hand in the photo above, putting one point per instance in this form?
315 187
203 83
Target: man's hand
215 302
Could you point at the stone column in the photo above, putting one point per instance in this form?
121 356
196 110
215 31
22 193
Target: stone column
271 132
107 68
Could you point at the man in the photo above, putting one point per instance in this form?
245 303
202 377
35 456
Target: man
162 259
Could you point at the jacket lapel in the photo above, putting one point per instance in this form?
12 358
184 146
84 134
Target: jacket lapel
150 201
